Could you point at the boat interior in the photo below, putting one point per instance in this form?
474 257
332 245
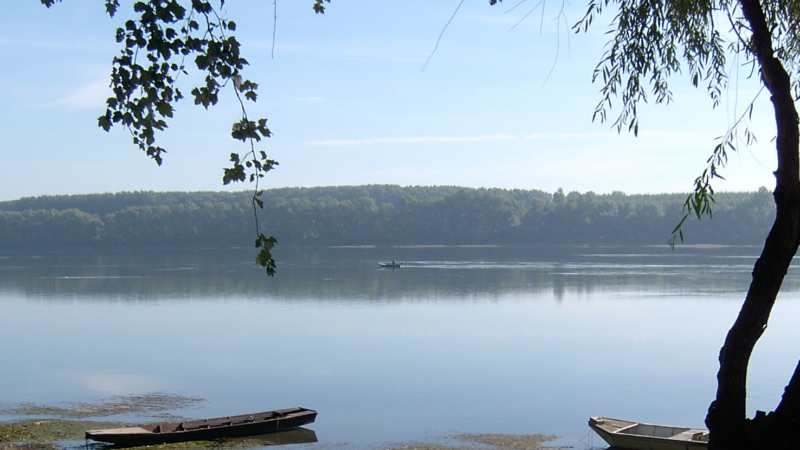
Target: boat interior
620 426
653 430
172 427
680 433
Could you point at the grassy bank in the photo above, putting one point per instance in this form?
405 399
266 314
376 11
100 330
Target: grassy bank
63 426
60 434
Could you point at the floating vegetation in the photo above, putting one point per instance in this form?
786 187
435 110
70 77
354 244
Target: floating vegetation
152 404
509 441
422 446
44 434
57 433
69 434
487 442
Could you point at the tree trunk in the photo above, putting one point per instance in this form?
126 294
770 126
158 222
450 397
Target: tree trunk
786 423
726 419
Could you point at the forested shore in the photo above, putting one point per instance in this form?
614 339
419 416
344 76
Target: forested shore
379 215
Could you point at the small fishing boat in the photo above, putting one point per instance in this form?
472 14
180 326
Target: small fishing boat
390 265
195 430
626 434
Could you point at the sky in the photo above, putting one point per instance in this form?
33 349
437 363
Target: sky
506 101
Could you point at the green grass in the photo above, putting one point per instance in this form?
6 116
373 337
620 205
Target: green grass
50 434
44 434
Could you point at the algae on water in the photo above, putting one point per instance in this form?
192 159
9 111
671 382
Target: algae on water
44 434
494 441
130 404
60 434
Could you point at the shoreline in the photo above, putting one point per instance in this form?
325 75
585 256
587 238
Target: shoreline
52 434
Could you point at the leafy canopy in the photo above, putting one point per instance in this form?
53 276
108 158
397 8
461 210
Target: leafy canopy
653 40
650 42
165 40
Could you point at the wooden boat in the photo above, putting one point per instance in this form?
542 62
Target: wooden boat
390 265
204 429
626 434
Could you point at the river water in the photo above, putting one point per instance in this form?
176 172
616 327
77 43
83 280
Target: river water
460 339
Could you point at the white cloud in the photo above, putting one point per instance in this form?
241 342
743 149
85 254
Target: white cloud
411 140
89 95
565 136
661 136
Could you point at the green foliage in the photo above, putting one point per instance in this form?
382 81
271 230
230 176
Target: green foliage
154 48
653 40
319 6
378 214
264 244
650 42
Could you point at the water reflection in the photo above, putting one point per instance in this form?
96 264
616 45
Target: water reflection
351 274
477 340
291 437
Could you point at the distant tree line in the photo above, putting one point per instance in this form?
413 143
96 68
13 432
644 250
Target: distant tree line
377 214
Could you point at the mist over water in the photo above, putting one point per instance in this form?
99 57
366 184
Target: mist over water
460 339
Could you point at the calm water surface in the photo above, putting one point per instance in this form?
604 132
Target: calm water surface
463 339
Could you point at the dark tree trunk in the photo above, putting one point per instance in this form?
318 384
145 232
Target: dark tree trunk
726 419
786 418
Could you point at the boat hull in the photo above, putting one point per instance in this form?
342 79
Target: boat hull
624 436
208 429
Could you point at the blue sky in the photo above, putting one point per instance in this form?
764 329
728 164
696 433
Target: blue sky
349 103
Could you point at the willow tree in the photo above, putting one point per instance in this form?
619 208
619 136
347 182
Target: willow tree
650 42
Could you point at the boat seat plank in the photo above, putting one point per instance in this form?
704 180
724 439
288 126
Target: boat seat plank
614 425
692 435
127 430
168 427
